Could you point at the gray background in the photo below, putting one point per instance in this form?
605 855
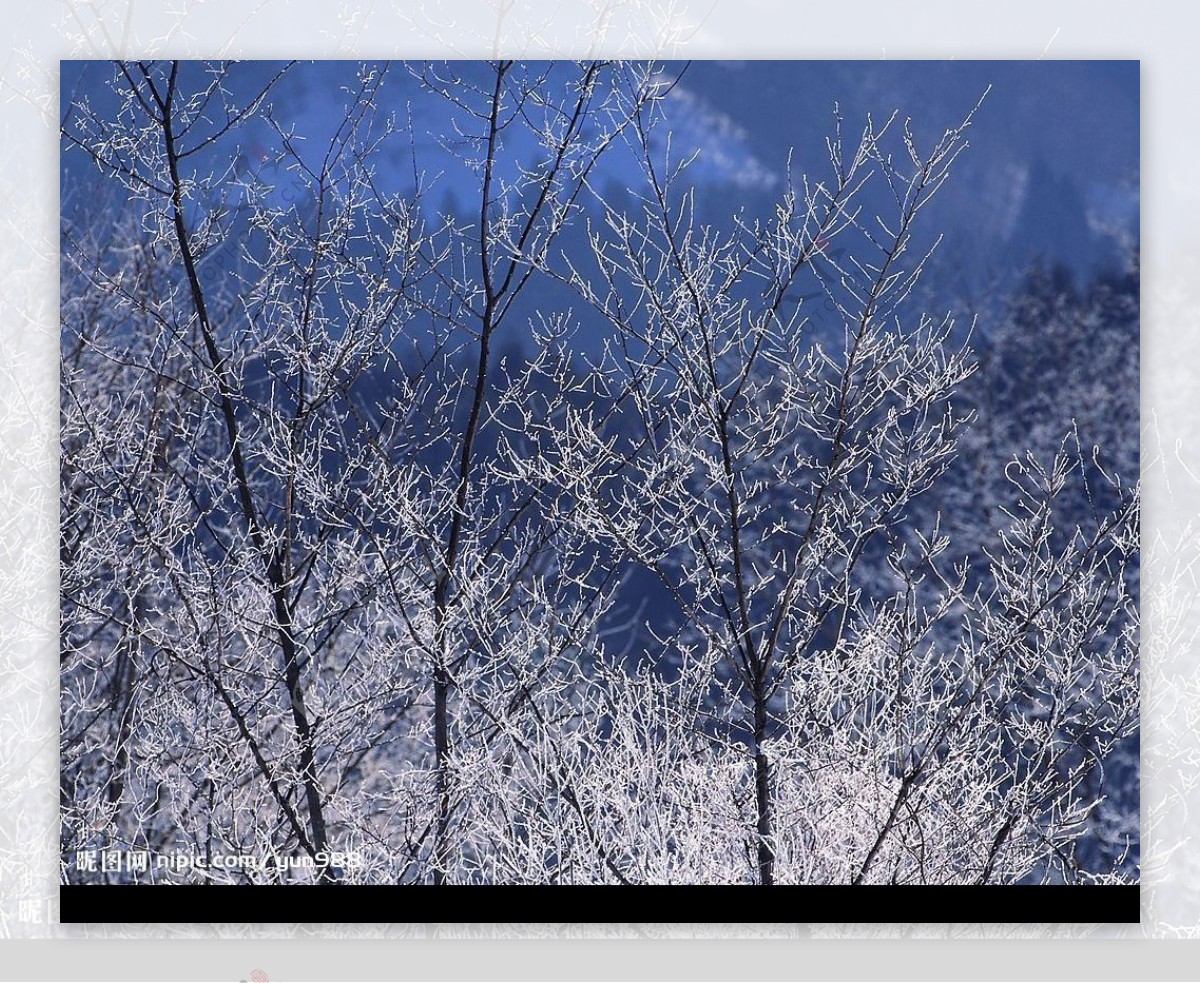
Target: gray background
32 946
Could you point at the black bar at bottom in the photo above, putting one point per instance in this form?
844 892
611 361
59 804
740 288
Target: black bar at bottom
417 904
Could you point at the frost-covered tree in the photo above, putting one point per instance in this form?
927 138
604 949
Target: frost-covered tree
296 593
1058 375
213 567
835 702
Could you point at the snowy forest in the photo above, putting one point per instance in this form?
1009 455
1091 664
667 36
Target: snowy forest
460 484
